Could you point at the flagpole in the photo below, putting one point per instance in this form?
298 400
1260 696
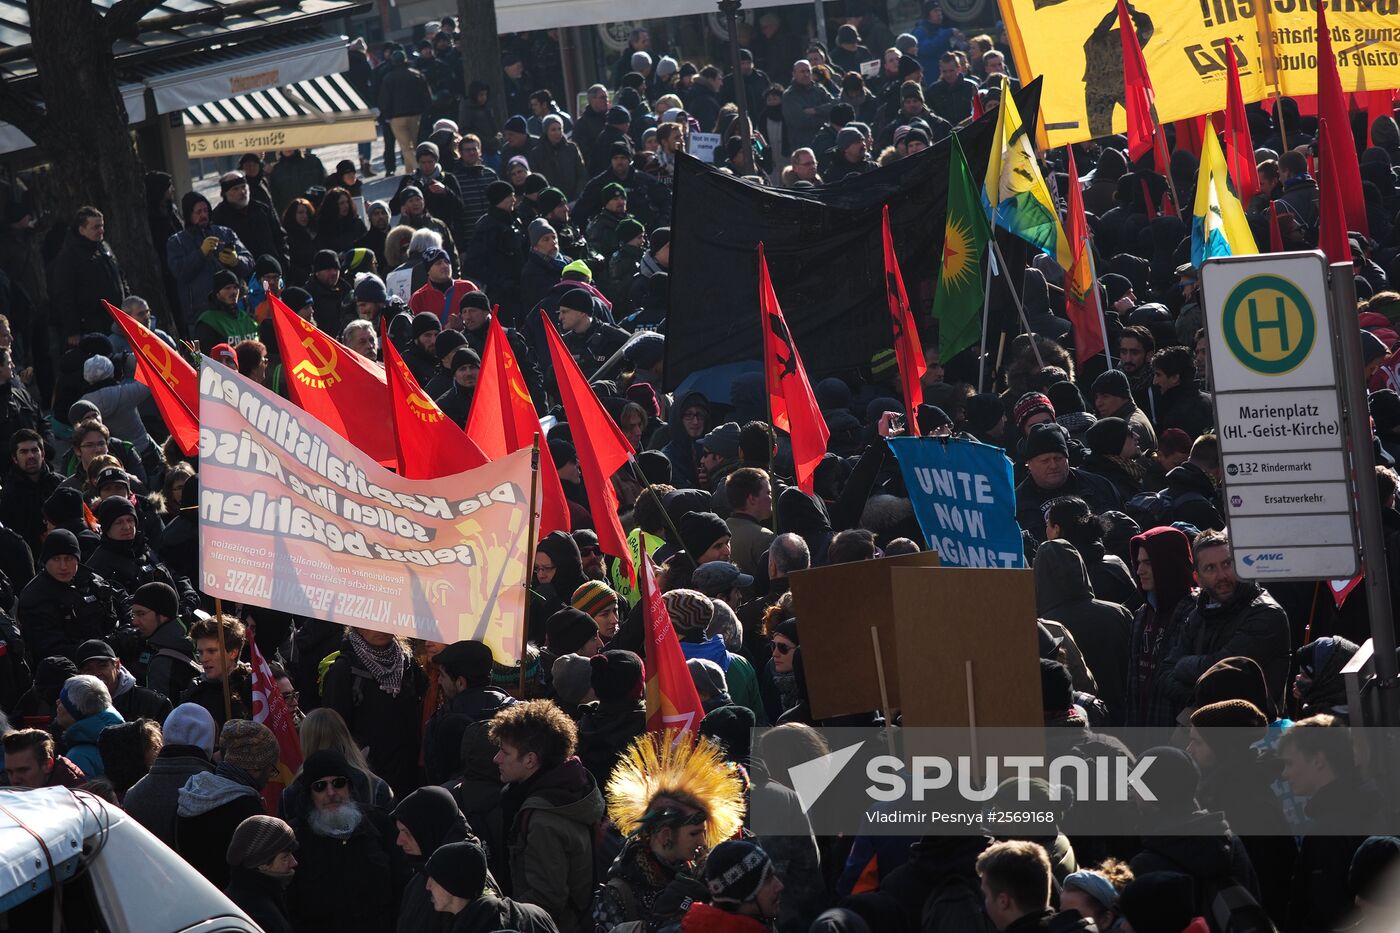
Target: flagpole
641 477
1159 136
1098 299
986 319
529 557
1016 297
223 647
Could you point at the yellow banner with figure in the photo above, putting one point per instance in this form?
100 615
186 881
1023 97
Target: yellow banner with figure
1075 45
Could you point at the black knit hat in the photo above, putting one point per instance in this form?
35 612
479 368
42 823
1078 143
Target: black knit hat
577 299
158 597
618 675
700 530
1046 438
323 764
266 265
568 630
463 356
448 340
324 259
469 659
498 191
475 299
64 504
59 543
1173 776
459 868
735 872
549 199
111 509
1107 436
258 840
425 322
295 297
1114 382
731 727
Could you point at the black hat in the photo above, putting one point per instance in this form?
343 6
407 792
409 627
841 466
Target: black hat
1065 397
1173 777
1114 382
459 868
1056 687
59 543
731 727
549 199
266 265
1107 436
1115 286
700 530
562 452
469 659
1047 644
1372 866
617 675
498 191
535 183
158 597
425 322
296 297
656 466
448 340
660 237
475 299
736 871
516 124
463 356
931 417
1046 438
983 411
64 505
426 148
745 55
568 630
617 116
222 280
323 764
788 629
111 509
111 475
325 259
94 649
577 299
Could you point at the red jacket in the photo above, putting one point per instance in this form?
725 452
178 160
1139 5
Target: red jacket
444 305
703 918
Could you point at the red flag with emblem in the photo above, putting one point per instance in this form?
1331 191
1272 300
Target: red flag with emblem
172 380
1081 291
602 450
1339 155
672 700
1239 146
334 384
271 710
791 403
430 445
503 420
907 349
1138 94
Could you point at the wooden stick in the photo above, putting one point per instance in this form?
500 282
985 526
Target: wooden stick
529 558
1016 297
971 711
884 688
986 318
223 647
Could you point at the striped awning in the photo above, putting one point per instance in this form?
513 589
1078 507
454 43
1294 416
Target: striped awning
323 111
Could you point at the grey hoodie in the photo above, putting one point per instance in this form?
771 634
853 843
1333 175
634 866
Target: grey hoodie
206 791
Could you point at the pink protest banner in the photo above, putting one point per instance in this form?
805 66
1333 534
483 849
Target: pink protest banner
294 517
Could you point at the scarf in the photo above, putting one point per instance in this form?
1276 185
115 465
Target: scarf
1135 470
385 664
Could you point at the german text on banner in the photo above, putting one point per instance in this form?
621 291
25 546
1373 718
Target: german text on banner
294 517
1076 46
964 499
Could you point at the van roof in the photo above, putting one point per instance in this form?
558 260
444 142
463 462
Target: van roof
40 830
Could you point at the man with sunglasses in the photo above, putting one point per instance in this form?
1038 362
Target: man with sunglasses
591 553
350 874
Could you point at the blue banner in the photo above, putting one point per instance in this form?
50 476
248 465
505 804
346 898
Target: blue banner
964 499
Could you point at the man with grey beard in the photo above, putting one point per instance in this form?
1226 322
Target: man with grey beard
350 874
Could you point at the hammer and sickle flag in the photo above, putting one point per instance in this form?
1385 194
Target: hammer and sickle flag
172 380
335 385
429 444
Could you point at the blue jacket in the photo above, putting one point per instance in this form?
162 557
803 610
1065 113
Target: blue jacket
933 42
80 741
194 271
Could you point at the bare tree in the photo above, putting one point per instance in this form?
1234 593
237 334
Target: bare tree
82 125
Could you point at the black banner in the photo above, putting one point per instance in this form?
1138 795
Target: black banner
824 250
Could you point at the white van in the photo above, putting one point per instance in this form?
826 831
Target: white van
72 863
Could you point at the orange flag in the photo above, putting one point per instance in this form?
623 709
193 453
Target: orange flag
1081 291
672 700
429 444
602 450
1239 146
793 407
271 710
335 385
1332 236
172 380
1138 94
907 349
503 420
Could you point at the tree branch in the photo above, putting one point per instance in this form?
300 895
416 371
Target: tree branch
124 15
21 113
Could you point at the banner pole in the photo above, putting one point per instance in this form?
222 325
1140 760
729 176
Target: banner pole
665 515
1098 299
530 558
986 319
223 634
1016 297
884 688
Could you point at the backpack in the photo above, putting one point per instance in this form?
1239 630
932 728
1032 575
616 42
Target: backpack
1154 509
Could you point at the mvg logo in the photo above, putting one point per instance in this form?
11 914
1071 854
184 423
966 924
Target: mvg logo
1268 556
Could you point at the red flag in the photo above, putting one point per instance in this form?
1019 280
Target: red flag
335 385
503 420
1341 589
172 380
271 710
1339 156
429 444
791 403
1332 236
907 350
602 450
977 108
672 701
1239 147
1275 234
1081 291
1378 104
1138 95
1168 206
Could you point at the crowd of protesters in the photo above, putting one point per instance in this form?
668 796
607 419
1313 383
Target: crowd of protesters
435 796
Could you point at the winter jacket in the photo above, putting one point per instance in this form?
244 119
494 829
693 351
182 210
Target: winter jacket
488 914
1250 623
256 225
561 163
748 543
1207 850
800 125
455 403
1113 469
80 740
1193 494
15 677
1139 422
647 199
208 692
1030 498
130 565
1157 624
1320 892
169 661
194 271
539 274
366 864
605 729
22 501
260 896
209 808
472 182
292 176
329 303
1185 407
152 800
952 102
494 258
941 874
403 92
56 618
133 702
738 673
388 725
442 736
18 410
550 843
1101 629
444 205
81 277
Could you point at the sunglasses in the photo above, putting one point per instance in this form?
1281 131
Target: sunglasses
782 648
590 551
319 787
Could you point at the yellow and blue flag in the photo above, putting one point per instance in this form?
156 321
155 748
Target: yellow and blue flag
1218 224
1014 193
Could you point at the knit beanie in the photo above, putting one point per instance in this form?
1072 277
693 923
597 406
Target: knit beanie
295 297
370 287
735 872
593 597
158 597
1107 436
463 356
730 726
690 610
983 411
324 259
1173 777
258 840
629 230
577 299
1372 867
1029 404
1065 397
568 630
571 676
1046 438
189 724
788 629
325 763
613 190
1056 687
539 228
97 369
1115 286
59 543
618 675
459 868
549 199
112 508
448 340
498 191
425 322
249 745
475 299
1230 714
64 505
700 530
1114 382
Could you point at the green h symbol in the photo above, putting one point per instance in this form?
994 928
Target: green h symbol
1278 322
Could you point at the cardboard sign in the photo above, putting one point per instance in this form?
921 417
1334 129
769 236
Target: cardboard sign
703 145
870 69
835 607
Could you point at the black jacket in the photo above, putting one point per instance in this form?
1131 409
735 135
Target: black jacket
256 225
591 348
1193 496
348 885
494 257
420 362
648 199
1210 853
169 661
1251 623
1185 407
487 914
1320 893
456 404
328 305
261 897
58 617
388 725
137 702
442 736
208 692
81 277
403 92
22 504
605 730
1030 498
